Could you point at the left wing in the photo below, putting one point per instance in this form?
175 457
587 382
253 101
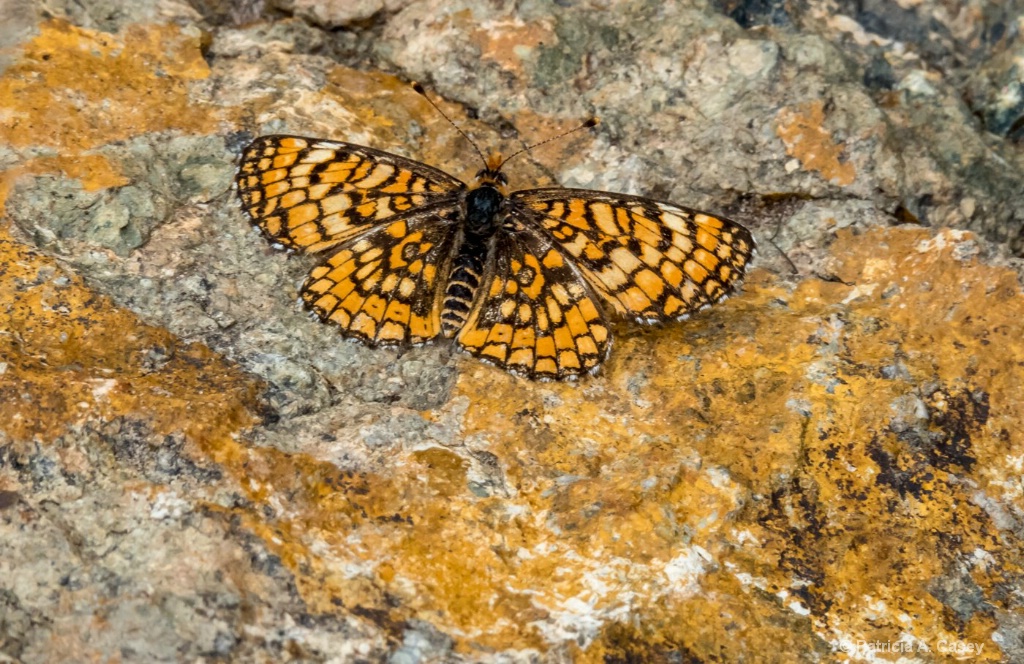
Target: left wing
650 260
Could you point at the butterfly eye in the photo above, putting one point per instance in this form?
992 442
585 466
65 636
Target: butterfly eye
481 173
502 178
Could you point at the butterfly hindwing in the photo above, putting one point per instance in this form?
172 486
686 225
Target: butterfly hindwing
650 260
534 313
384 287
311 194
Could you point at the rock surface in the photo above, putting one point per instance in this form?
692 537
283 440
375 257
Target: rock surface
827 467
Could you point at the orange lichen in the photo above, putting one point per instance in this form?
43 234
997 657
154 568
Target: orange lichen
833 527
101 87
753 480
507 43
75 89
69 355
93 170
713 484
801 129
385 105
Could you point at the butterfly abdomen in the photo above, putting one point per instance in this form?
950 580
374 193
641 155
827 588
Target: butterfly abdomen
462 285
482 207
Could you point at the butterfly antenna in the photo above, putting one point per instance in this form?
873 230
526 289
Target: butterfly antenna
592 122
419 88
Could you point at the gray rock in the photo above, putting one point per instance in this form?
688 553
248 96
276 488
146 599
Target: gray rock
726 105
996 92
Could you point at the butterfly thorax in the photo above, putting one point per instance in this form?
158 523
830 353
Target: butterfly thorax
483 205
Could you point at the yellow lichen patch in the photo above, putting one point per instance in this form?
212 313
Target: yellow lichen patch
60 366
103 87
507 43
385 105
801 129
68 355
93 170
745 482
764 484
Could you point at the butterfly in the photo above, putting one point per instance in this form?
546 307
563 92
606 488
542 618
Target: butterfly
526 280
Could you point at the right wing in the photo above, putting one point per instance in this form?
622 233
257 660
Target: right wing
310 194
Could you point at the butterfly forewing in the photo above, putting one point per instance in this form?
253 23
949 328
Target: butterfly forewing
650 260
535 315
384 287
310 194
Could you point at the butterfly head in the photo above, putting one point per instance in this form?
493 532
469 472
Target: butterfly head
492 176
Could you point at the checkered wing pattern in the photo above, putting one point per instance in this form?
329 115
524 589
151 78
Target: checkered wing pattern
310 194
535 315
651 261
385 286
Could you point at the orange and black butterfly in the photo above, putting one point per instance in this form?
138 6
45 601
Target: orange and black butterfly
526 280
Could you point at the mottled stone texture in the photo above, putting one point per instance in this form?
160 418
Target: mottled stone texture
826 467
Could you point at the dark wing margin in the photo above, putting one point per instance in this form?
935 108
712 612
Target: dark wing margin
534 314
384 287
650 260
310 194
